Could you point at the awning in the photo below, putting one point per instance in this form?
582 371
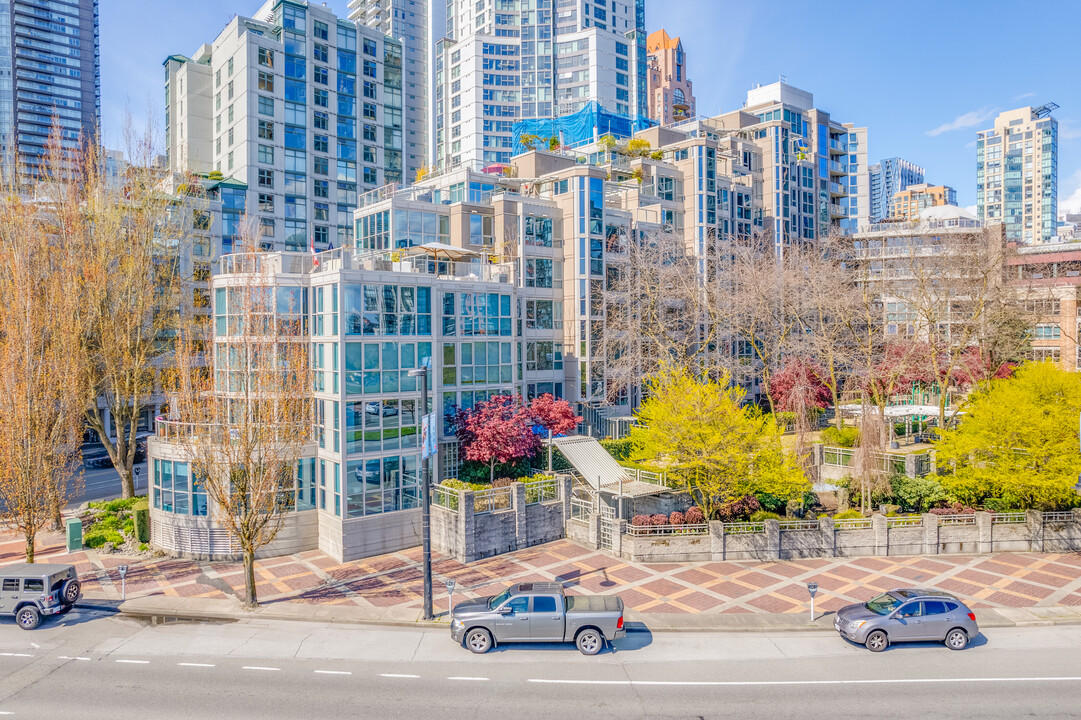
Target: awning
437 250
600 470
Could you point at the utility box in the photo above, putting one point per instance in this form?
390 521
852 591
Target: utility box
74 534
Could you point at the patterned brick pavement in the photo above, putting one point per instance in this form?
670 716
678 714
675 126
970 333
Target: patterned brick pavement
394 580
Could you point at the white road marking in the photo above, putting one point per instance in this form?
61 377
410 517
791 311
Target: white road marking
6 712
333 672
135 662
16 655
35 646
256 667
751 683
65 657
466 678
195 665
396 675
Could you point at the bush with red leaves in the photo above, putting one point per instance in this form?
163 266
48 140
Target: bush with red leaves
641 520
659 519
694 516
676 518
739 509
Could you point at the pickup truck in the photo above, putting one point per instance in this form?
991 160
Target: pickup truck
538 612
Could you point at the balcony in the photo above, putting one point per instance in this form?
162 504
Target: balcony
836 211
837 168
837 147
836 189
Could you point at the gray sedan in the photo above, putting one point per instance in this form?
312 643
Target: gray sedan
908 615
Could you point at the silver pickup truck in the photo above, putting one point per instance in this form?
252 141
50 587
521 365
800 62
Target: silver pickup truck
538 612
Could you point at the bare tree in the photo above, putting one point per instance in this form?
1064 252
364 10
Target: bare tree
659 309
250 422
40 376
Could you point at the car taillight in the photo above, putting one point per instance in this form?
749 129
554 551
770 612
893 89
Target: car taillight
972 617
619 623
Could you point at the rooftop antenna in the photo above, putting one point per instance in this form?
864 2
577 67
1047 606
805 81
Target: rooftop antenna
783 78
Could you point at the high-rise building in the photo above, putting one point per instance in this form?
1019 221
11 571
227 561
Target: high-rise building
908 203
298 107
1017 173
55 48
416 24
814 168
510 60
887 178
671 98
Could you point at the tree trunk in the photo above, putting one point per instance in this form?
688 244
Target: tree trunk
250 599
30 535
127 481
491 472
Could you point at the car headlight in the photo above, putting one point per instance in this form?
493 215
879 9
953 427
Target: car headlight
857 624
457 624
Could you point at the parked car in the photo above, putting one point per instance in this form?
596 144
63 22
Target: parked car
906 615
538 612
30 590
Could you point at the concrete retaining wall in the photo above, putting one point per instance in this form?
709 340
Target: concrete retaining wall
468 535
931 535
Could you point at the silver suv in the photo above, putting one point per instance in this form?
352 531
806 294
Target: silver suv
30 590
908 615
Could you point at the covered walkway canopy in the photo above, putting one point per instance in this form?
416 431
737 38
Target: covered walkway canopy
600 470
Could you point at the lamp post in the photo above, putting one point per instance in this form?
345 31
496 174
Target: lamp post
425 490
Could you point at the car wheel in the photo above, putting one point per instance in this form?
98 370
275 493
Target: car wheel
70 592
589 642
956 639
877 641
478 640
28 617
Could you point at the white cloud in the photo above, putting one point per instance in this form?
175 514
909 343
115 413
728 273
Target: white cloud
969 119
1022 96
1068 129
1072 203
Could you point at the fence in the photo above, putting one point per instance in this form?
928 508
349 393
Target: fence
890 463
744 528
968 519
1009 518
541 491
581 509
445 497
662 530
485 501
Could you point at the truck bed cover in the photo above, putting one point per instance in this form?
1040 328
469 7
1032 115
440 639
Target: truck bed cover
593 603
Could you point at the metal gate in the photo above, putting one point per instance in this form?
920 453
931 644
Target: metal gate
608 530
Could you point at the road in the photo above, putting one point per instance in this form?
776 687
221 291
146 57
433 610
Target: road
104 484
92 665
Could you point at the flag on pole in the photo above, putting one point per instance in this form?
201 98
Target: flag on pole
311 246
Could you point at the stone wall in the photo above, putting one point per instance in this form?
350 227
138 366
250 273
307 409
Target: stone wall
779 540
470 530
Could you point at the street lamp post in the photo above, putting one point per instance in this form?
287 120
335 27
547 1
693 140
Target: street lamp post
425 491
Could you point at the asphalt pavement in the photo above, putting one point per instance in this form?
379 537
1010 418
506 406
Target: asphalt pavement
92 664
104 484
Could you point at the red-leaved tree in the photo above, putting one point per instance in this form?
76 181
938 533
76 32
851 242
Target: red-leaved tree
978 365
498 430
554 415
799 386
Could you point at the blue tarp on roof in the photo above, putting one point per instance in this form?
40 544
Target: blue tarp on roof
589 122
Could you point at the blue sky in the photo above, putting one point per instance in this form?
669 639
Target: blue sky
922 76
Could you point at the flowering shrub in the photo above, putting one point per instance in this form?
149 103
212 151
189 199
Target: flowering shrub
503 482
739 509
659 519
640 520
694 516
676 518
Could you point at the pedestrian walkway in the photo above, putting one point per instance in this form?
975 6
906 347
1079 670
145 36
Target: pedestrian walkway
391 585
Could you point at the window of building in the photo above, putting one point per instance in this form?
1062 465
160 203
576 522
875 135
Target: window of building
266 82
266 178
320 30
265 130
321 97
266 154
266 106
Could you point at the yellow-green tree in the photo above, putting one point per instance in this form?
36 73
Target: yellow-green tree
714 447
1018 441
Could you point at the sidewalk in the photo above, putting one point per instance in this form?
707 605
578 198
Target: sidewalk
1006 588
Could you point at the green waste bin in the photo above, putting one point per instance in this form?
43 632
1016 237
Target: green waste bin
75 534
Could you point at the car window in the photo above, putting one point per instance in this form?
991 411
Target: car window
518 604
11 584
950 607
34 585
497 600
544 603
884 604
934 607
910 610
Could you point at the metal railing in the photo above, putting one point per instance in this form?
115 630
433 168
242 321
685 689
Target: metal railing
581 509
541 491
967 519
1058 516
667 530
446 498
796 525
1008 518
485 501
747 528
904 521
852 524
